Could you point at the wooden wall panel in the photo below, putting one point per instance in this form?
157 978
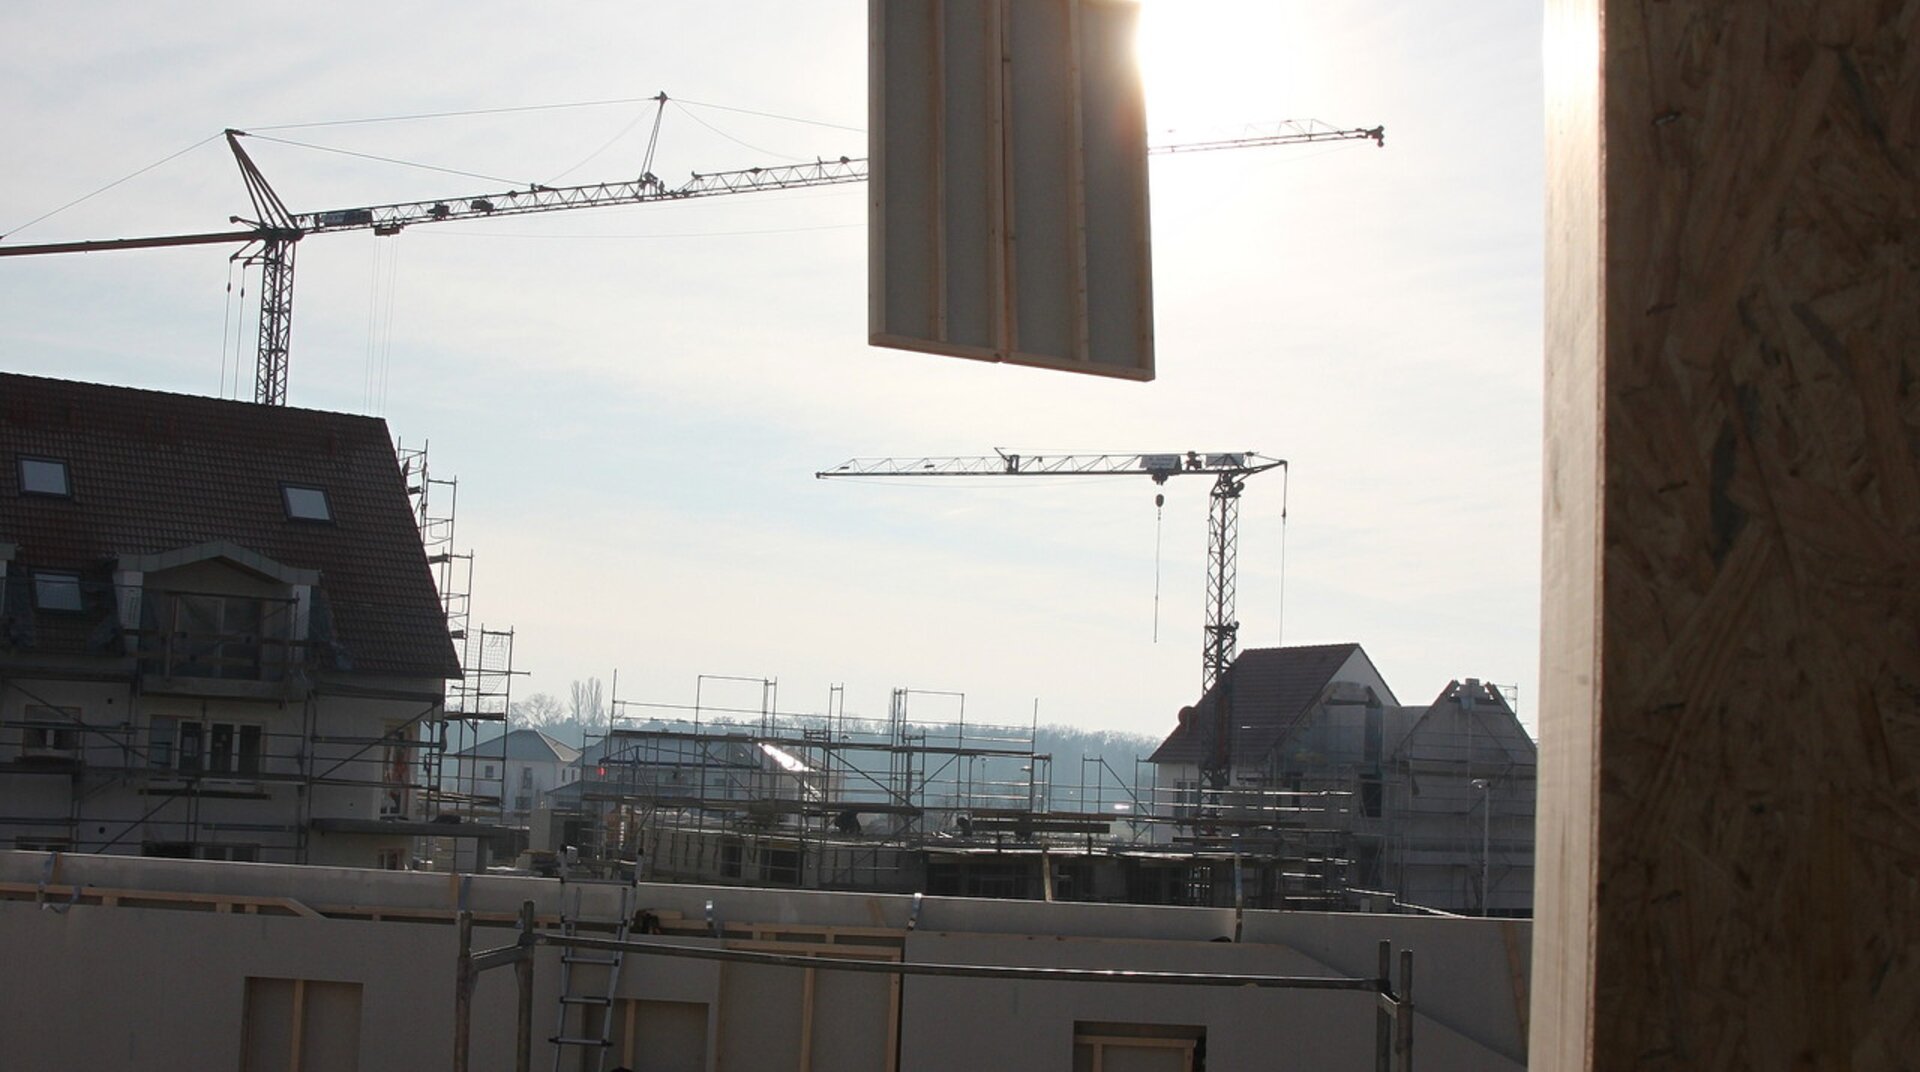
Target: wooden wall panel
1008 208
1732 672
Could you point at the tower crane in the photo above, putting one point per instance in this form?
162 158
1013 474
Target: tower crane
269 238
1229 471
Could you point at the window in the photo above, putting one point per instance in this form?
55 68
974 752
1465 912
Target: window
219 636
30 843
309 1024
526 777
190 746
781 866
57 591
1147 1047
44 476
487 771
237 853
50 731
396 770
523 803
306 504
1370 796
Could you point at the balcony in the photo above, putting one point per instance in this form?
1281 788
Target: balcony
198 641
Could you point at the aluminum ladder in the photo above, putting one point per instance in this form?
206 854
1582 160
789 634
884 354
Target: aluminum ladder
588 982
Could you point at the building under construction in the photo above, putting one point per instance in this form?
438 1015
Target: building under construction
220 636
1345 800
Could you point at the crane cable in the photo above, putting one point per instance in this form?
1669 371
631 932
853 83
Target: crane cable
239 329
1159 516
1286 477
85 197
226 316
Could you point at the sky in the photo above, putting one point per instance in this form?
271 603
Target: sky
634 400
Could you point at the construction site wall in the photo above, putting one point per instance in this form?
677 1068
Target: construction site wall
174 964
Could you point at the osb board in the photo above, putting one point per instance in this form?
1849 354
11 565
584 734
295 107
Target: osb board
1752 734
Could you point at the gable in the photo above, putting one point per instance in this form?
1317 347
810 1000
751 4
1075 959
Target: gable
155 475
1269 690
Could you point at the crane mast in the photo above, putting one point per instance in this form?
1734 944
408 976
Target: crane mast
269 240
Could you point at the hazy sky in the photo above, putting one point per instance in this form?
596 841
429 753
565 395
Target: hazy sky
635 400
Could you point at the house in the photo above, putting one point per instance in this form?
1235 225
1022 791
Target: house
219 637
518 768
1302 758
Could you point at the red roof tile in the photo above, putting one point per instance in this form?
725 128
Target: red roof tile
153 472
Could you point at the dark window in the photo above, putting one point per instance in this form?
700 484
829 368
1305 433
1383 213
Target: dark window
222 636
173 850
782 866
306 504
57 591
44 476
160 741
730 860
1370 796
194 747
249 751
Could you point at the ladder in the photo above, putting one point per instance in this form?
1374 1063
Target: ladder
588 981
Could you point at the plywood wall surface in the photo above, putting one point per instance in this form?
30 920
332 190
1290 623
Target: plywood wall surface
1754 740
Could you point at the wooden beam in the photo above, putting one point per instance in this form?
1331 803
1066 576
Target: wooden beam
1731 609
807 980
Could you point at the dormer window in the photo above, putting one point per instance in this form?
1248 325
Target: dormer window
57 591
45 476
306 503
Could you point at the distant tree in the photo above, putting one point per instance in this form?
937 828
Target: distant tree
585 703
539 711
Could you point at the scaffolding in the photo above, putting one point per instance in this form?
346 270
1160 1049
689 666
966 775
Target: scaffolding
471 737
201 724
1423 808
923 798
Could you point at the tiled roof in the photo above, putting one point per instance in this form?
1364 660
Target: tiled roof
153 472
1494 726
530 746
1271 689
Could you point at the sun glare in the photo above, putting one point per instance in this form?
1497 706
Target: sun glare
1214 63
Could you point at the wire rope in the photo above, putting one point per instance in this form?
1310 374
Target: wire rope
392 160
109 186
731 138
1159 519
771 115
1286 477
512 109
226 316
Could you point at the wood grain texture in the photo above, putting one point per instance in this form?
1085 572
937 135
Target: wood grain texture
1755 734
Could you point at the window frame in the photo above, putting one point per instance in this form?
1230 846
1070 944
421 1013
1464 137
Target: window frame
287 489
49 580
66 476
240 744
52 723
